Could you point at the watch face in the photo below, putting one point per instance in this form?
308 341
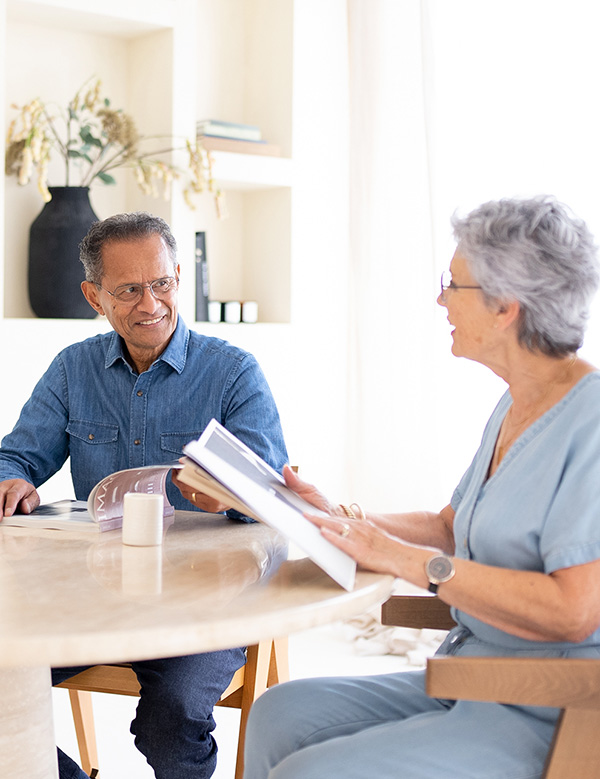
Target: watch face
439 568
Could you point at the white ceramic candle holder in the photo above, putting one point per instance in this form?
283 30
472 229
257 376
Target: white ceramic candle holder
142 519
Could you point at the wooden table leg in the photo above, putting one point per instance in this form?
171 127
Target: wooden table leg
27 745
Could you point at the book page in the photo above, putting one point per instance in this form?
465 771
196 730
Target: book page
197 478
105 501
60 515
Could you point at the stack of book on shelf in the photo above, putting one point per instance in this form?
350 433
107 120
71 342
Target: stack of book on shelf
217 135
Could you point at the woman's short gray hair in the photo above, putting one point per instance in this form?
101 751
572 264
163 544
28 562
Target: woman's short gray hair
534 251
121 227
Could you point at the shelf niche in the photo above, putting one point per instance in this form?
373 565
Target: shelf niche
142 52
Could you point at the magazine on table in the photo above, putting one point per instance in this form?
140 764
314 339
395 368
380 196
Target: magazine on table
220 465
103 510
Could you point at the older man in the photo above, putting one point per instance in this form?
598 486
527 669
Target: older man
134 397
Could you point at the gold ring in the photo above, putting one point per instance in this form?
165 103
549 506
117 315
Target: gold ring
193 497
345 531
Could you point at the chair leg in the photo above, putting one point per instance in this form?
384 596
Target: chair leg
575 751
83 717
279 666
258 659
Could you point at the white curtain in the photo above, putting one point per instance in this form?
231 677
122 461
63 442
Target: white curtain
393 273
453 102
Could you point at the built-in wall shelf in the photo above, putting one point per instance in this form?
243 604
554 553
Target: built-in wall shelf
144 53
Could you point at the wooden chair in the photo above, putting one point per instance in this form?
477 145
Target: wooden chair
266 665
571 685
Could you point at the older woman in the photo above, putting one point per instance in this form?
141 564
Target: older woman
516 552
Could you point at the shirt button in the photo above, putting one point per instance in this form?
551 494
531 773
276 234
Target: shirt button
139 393
137 442
91 436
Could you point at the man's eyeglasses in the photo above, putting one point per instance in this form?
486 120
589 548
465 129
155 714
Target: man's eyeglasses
448 284
132 293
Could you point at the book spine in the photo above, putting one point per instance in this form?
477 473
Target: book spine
201 279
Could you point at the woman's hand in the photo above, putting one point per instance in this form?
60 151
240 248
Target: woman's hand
310 493
371 547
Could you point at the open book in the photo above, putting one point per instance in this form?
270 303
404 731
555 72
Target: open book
220 465
103 510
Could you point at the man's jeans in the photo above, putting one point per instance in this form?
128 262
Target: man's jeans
174 722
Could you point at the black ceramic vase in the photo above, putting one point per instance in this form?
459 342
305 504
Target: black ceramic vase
55 272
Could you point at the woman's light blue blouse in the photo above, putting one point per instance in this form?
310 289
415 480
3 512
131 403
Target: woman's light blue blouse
540 511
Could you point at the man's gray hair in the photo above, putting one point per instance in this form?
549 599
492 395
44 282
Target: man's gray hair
121 227
537 252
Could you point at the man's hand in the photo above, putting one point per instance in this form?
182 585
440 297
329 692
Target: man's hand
17 494
199 499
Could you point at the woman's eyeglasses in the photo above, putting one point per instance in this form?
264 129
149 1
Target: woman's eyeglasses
448 284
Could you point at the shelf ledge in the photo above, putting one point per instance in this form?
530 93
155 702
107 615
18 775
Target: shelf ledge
121 18
251 171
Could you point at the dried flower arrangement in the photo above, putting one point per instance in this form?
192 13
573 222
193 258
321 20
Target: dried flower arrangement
94 140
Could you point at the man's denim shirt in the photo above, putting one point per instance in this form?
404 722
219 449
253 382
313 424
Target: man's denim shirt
91 406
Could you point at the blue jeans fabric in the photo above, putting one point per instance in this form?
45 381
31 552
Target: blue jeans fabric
68 769
174 718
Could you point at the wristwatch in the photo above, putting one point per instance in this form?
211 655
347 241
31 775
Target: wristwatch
438 569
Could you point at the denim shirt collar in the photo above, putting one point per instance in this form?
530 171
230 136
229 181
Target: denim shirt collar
174 355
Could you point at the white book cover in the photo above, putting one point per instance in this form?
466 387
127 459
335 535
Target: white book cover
243 473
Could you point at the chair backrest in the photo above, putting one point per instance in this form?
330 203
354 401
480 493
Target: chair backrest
417 611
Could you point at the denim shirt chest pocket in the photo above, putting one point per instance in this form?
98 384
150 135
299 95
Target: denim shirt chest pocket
173 443
91 439
94 452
